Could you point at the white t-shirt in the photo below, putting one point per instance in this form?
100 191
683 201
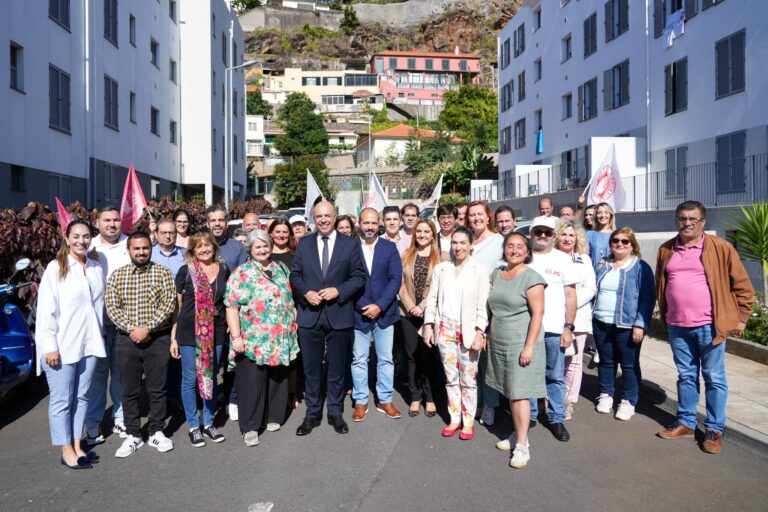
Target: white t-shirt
557 269
112 256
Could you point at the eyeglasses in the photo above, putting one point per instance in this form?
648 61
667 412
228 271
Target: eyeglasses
539 232
622 241
692 220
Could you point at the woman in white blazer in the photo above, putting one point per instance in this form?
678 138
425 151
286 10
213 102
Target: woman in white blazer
456 304
69 338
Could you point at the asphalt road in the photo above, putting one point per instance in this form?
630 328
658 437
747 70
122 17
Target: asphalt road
383 465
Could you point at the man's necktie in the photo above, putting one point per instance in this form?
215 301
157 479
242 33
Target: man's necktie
324 261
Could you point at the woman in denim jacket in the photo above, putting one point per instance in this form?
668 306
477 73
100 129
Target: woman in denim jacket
623 306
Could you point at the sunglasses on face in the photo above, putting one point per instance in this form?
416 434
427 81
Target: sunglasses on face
622 241
538 232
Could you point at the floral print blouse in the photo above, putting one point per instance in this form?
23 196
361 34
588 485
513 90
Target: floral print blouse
267 313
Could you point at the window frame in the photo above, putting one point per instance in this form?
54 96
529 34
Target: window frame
111 103
16 67
111 22
62 6
729 39
62 110
590 35
154 121
132 29
154 52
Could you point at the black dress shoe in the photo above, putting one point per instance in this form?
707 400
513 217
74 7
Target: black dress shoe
560 432
307 425
82 463
532 424
338 424
92 457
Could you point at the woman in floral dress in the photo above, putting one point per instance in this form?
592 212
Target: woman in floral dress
262 326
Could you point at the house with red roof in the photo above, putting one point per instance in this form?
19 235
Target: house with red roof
390 144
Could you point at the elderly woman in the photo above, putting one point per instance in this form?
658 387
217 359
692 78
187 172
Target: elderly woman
517 360
603 223
571 240
622 312
199 331
456 304
262 326
69 338
182 218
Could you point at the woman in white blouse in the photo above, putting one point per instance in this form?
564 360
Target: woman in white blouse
69 339
456 303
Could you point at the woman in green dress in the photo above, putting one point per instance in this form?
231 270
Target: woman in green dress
516 352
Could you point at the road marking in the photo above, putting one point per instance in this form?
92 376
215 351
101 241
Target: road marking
265 506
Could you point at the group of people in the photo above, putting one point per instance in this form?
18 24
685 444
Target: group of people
466 302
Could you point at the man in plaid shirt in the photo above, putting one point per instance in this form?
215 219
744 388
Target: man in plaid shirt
140 301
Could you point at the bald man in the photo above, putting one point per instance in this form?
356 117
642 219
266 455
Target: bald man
567 213
545 207
250 222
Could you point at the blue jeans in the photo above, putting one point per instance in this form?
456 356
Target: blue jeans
555 379
189 392
385 367
692 350
68 388
97 395
616 348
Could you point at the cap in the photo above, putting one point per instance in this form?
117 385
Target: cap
547 222
297 218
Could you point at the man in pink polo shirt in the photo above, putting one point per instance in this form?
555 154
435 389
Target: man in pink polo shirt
704 295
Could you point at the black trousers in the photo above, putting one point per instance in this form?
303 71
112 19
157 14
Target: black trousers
260 387
151 360
420 360
316 342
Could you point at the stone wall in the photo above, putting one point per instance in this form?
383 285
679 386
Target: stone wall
285 19
408 14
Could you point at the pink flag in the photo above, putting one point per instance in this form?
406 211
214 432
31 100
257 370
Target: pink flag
133 203
64 218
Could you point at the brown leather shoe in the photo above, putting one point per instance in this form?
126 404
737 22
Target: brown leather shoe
676 431
360 411
713 441
389 410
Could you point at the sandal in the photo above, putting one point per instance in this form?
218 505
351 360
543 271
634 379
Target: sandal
413 413
430 413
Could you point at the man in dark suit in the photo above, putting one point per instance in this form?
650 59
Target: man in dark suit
326 274
376 311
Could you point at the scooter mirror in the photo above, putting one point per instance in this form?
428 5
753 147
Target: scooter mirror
22 264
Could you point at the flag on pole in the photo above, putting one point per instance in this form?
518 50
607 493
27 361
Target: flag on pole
313 192
134 201
64 218
605 185
435 197
377 199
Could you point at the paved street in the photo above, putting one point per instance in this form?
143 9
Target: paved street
383 465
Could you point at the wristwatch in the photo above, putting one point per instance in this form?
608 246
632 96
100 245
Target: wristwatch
569 326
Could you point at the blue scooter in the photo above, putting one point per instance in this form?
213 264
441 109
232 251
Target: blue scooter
17 345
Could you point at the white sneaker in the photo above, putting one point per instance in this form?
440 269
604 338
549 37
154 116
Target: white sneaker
129 446
251 438
119 429
273 427
625 411
505 445
159 441
520 457
604 403
234 413
488 417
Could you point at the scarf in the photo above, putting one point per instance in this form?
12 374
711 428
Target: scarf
204 330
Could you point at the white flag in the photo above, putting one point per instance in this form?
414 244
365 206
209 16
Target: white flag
377 199
313 192
605 185
435 197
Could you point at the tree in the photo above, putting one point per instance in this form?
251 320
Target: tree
294 102
750 235
472 113
291 180
305 132
244 5
349 22
258 106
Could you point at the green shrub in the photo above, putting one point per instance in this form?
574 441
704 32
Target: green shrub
757 326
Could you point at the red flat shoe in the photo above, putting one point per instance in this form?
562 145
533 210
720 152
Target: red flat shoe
467 437
449 432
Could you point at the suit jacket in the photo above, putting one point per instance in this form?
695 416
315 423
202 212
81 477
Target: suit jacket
408 290
346 272
474 312
381 287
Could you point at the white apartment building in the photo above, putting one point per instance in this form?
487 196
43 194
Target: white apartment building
694 109
254 136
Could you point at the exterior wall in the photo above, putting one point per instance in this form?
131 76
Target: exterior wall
276 87
254 136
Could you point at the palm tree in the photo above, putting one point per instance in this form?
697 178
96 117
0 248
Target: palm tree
750 234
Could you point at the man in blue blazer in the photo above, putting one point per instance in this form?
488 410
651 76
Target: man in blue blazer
376 311
326 274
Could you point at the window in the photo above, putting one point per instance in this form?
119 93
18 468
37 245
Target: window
154 50
310 80
132 106
172 132
172 10
616 86
567 106
616 18
706 4
463 65
674 179
213 25
520 40
224 48
520 133
590 35
234 55
18 178
505 56
506 96
17 67
59 186
213 83
58 99
234 101
521 86
411 63
172 70
331 80
537 19
506 140
360 80
154 121
234 148
565 48
332 100
110 103
731 151
110 21
213 139
132 29
429 64
253 126
58 11
446 65
393 63
537 70
676 87
588 100
538 120
729 64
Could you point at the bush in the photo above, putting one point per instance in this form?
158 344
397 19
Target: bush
757 326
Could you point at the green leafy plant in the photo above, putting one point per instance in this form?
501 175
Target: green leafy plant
291 180
757 325
349 22
750 235
258 106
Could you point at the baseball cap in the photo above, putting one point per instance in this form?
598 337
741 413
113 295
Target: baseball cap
297 218
546 222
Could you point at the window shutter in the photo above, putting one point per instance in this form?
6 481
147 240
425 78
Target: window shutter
53 94
587 44
624 99
723 147
669 105
593 98
737 62
670 176
690 8
607 89
608 21
581 103
303 80
624 21
658 18
681 85
738 155
65 101
722 54
681 171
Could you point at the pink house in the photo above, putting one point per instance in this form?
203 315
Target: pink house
422 77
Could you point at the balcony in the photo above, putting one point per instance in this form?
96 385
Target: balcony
345 108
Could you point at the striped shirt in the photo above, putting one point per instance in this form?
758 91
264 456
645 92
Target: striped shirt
141 296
